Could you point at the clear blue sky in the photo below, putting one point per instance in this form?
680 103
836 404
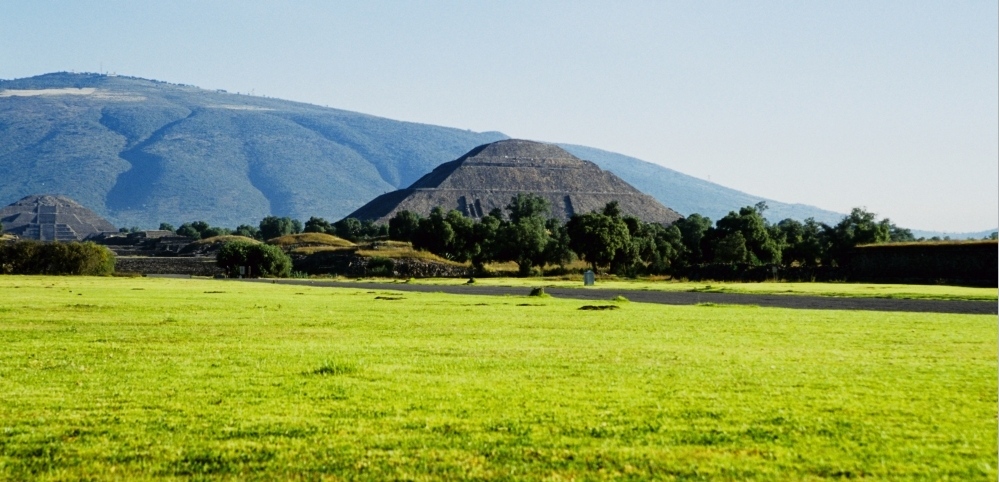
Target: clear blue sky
892 105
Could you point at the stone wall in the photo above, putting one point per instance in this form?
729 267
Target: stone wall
967 263
959 263
194 266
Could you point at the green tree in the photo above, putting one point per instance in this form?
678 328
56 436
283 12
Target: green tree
627 260
247 231
215 231
201 227
731 248
272 227
348 228
485 235
755 231
659 247
804 243
597 237
189 230
899 235
862 227
369 229
402 226
166 227
525 205
693 229
524 237
318 225
523 242
73 258
462 246
612 209
259 259
434 233
857 228
232 255
201 230
557 251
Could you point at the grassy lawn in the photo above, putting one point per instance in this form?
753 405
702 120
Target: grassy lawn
138 378
857 290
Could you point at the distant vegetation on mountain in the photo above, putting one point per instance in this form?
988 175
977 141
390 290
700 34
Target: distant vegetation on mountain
141 152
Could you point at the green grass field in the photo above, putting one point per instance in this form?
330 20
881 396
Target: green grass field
856 290
138 378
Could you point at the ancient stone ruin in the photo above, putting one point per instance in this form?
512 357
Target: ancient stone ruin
488 176
145 243
52 218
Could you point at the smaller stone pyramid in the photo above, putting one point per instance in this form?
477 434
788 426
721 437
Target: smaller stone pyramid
52 218
489 175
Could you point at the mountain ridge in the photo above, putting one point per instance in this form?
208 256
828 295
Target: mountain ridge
140 151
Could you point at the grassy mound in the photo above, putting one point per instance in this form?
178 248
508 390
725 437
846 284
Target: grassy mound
397 250
374 258
225 239
390 244
310 239
404 252
307 250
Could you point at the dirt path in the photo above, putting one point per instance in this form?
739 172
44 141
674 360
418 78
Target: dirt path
685 298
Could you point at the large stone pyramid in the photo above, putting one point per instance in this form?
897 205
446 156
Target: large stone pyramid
52 218
489 175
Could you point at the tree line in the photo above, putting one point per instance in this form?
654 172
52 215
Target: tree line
608 240
73 258
272 227
622 244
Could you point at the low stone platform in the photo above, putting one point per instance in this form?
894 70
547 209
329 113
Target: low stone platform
193 266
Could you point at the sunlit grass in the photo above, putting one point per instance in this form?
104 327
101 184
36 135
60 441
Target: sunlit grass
310 239
404 252
321 249
312 243
857 290
225 238
133 378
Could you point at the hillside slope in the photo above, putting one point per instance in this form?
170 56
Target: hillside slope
688 194
140 152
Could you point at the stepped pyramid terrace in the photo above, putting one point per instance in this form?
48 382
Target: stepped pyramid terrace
488 176
52 218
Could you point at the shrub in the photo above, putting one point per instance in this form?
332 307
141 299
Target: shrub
379 266
539 292
34 257
259 259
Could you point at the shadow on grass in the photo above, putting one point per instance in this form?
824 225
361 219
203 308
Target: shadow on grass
335 368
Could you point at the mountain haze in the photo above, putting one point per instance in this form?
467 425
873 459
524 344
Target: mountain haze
688 194
140 152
